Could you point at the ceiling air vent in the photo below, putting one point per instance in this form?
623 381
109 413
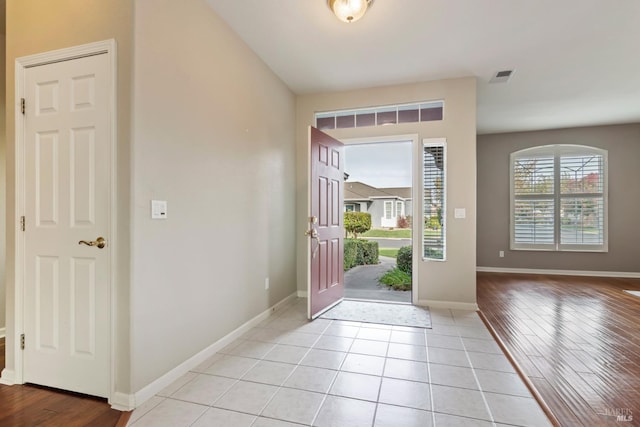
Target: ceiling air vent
501 76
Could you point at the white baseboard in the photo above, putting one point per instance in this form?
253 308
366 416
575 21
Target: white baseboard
451 305
161 383
3 332
621 274
8 377
302 294
122 401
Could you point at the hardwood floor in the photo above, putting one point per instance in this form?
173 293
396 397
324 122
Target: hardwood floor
29 405
577 340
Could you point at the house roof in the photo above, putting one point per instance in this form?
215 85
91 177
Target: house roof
359 191
401 192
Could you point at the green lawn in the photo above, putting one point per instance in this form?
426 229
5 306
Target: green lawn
399 233
390 252
404 233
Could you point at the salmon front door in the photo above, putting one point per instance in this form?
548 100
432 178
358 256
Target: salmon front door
326 228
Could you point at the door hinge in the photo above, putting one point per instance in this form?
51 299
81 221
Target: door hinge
22 342
24 105
23 223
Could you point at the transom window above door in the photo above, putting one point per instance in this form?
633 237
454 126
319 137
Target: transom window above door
380 116
559 198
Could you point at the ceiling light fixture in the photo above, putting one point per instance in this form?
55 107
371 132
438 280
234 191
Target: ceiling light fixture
349 10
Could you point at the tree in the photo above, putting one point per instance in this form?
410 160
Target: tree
533 176
357 222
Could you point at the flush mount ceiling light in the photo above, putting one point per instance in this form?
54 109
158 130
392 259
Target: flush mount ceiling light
349 10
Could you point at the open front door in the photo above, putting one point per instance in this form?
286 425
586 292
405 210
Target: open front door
326 229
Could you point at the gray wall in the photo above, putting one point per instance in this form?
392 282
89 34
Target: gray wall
623 145
408 207
377 211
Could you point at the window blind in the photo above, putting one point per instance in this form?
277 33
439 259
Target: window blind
433 242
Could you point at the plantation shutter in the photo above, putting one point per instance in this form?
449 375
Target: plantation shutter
534 205
434 201
558 198
582 200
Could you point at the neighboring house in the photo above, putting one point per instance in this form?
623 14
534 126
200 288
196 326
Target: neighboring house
385 205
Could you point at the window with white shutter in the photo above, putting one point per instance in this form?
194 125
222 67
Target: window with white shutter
559 198
434 183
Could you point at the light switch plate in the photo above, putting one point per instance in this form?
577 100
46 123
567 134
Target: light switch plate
158 209
460 213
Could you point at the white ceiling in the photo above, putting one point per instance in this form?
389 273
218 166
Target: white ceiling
577 62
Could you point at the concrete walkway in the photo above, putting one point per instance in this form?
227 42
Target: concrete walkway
361 282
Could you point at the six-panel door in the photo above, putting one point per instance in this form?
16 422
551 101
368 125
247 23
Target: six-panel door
67 199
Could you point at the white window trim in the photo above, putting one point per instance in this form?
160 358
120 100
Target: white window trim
392 210
557 151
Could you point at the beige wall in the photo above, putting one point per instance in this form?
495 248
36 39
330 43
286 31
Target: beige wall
623 144
3 175
35 26
447 283
213 136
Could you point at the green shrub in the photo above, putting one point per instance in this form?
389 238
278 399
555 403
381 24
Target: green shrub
404 259
367 252
397 279
359 252
350 253
404 222
357 222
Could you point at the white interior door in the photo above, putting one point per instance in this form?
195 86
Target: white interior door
67 199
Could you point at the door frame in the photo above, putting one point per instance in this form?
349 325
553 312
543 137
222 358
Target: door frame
416 194
107 47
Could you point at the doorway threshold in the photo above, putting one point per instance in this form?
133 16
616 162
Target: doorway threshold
378 300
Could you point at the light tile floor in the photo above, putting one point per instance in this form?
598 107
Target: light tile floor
329 373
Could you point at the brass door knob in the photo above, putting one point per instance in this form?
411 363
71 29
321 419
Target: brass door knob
99 242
